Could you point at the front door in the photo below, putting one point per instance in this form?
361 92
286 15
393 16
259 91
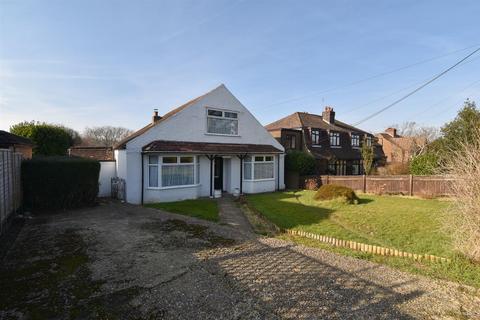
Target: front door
218 174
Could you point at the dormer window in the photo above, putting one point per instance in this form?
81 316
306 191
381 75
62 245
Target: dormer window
334 139
222 122
315 136
355 140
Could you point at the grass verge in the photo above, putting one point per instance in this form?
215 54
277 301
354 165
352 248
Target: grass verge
199 208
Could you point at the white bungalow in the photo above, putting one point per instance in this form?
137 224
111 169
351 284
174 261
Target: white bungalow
209 145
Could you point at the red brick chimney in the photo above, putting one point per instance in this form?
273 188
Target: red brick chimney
328 115
155 116
391 132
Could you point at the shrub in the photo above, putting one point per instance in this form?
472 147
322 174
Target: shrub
424 164
59 182
300 162
464 165
333 191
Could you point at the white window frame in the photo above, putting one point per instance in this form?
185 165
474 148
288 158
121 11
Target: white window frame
368 140
334 135
150 165
160 164
222 117
357 139
252 167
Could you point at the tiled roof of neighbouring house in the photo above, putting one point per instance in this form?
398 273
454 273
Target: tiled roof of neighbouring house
304 119
208 148
8 139
91 152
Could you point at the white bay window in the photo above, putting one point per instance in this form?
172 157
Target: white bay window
171 171
259 168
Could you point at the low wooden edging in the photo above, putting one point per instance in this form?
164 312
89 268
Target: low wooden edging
367 247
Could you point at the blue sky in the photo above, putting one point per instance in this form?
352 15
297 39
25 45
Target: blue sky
87 63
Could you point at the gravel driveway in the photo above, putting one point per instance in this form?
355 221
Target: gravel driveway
127 262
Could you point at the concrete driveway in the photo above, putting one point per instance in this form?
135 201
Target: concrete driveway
118 261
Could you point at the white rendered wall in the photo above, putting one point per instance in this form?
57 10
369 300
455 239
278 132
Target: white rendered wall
108 170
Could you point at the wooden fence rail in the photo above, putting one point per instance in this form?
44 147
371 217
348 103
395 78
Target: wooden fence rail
10 186
424 186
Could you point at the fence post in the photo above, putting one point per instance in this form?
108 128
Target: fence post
410 188
328 180
364 183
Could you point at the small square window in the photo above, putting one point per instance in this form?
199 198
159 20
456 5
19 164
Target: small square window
230 115
268 158
215 113
186 159
258 158
152 159
169 159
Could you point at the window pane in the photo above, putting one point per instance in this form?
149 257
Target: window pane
230 115
186 159
269 158
248 159
152 159
258 158
153 176
263 171
169 159
177 175
222 126
215 113
247 170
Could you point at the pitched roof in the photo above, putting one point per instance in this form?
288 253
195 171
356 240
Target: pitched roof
405 143
304 119
10 139
123 143
208 148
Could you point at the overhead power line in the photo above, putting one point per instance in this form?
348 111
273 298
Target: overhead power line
378 75
417 89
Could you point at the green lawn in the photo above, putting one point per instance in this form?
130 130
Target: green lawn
404 223
199 208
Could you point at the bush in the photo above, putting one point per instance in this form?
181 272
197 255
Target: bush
424 164
59 182
300 162
333 191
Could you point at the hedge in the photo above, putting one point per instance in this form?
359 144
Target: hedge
333 191
59 182
301 162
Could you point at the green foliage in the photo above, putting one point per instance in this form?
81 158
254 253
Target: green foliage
300 162
367 157
59 182
462 128
49 139
199 208
333 192
424 164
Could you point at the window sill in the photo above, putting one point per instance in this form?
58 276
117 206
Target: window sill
174 187
223 135
335 147
316 145
355 147
269 179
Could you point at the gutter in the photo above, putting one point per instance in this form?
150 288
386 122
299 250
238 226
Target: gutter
143 177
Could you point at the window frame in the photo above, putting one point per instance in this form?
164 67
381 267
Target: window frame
336 136
291 138
317 135
195 164
357 139
253 161
223 111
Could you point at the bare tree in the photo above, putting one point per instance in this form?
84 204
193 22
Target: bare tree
421 136
106 136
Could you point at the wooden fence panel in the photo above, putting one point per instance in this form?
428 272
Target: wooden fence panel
10 186
425 186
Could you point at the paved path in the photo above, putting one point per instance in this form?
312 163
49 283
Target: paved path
232 215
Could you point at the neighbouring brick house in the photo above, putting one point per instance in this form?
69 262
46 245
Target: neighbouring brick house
16 144
335 145
397 149
92 152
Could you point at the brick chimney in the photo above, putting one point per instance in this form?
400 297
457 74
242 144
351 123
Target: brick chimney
391 132
155 116
328 115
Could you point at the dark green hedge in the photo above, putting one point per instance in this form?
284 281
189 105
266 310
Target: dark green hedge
59 182
301 162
